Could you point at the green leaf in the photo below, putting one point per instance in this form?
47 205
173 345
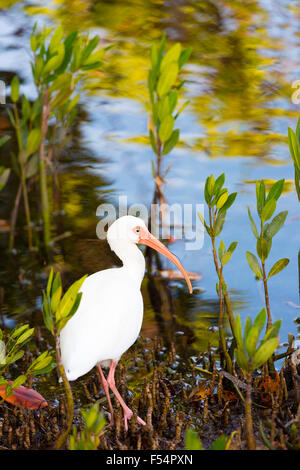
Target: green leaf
56 38
192 440
218 184
248 325
171 142
229 202
152 141
254 264
56 293
171 56
33 141
32 166
222 249
210 182
253 226
4 139
87 51
225 258
275 225
260 195
172 98
184 56
220 220
55 61
276 190
294 147
163 108
273 331
69 42
19 330
166 128
297 181
204 223
220 443
238 331
19 381
268 209
263 247
48 320
264 352
232 247
25 336
260 319
221 200
69 298
167 79
4 175
252 340
26 108
49 283
278 266
15 89
185 104
62 81
241 359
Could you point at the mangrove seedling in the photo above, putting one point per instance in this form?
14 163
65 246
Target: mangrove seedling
57 311
266 206
164 86
250 356
193 441
11 350
60 64
219 201
89 438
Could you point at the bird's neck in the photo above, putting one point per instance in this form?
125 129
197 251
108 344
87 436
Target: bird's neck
133 260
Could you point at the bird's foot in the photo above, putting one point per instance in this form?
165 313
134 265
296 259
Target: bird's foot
141 421
128 415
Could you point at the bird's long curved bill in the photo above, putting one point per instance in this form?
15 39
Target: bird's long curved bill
146 238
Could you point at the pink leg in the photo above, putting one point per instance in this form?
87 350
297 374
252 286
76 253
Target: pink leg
106 389
111 383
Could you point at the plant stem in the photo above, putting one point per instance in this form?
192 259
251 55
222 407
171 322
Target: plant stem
70 402
13 217
269 324
221 282
43 172
27 208
23 179
248 414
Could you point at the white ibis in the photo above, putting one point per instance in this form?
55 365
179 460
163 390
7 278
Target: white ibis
110 314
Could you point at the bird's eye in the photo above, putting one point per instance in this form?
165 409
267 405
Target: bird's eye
137 230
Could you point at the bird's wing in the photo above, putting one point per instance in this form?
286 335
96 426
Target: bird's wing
106 323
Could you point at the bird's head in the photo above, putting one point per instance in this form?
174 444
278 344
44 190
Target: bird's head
130 229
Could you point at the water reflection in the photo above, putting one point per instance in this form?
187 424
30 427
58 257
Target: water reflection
240 107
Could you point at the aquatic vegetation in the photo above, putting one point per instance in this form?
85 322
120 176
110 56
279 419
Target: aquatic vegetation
94 423
266 206
164 86
11 351
250 356
57 310
193 442
60 66
219 201
234 106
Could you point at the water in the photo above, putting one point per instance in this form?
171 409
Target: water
245 58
